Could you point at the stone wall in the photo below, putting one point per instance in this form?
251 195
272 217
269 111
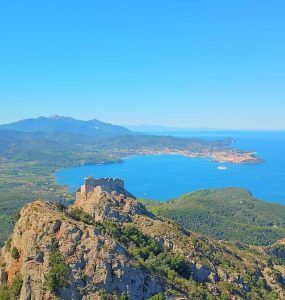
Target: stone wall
107 184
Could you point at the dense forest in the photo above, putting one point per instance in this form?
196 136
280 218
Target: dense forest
229 214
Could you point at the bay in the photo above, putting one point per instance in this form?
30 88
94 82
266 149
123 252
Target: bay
163 177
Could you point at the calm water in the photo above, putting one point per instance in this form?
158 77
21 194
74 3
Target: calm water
163 177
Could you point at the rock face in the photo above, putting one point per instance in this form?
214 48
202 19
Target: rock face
95 260
108 244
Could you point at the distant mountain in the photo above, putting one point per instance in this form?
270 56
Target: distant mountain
57 123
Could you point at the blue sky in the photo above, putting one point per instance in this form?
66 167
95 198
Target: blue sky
187 63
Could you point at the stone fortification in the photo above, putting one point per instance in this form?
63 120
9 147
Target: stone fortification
106 198
107 185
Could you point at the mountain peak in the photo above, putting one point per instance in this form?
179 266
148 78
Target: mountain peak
107 199
59 117
59 123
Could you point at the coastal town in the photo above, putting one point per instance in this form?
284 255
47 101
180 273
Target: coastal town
219 155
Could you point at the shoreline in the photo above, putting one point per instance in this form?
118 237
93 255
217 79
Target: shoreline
221 156
249 159
224 155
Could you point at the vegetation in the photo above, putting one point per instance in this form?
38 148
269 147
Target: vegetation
80 215
175 269
148 251
113 296
8 243
57 276
15 288
15 253
229 214
12 291
157 297
144 249
277 253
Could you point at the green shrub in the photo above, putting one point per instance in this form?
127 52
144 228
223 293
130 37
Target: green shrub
56 277
60 206
15 253
103 294
148 251
79 215
278 254
224 297
8 244
124 296
13 291
157 297
179 265
16 286
4 292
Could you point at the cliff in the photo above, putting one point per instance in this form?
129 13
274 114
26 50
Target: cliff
108 246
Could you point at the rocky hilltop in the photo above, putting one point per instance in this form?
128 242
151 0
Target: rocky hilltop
108 246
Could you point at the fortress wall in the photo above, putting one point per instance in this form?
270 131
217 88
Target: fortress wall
107 184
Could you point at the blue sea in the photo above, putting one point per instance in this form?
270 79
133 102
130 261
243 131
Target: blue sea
163 177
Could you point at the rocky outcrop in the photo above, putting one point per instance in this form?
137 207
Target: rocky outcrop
3 276
95 261
106 198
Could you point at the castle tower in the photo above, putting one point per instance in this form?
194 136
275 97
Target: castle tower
108 185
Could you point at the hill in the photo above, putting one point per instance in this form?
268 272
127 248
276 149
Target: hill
57 123
109 246
230 214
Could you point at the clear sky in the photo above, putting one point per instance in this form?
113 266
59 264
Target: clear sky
189 63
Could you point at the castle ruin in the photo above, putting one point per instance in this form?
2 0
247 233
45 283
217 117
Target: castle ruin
108 185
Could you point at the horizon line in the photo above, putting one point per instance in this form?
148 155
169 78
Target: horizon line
156 127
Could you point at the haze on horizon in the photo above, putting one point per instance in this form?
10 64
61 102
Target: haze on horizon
190 64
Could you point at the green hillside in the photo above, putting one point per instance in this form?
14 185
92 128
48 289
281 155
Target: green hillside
229 214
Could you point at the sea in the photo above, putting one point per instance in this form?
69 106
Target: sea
164 177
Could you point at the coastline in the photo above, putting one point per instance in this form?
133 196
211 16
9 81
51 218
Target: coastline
221 156
225 156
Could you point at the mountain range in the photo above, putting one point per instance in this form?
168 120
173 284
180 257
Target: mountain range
56 124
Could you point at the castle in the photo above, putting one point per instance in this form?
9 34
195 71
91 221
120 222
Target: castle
108 185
